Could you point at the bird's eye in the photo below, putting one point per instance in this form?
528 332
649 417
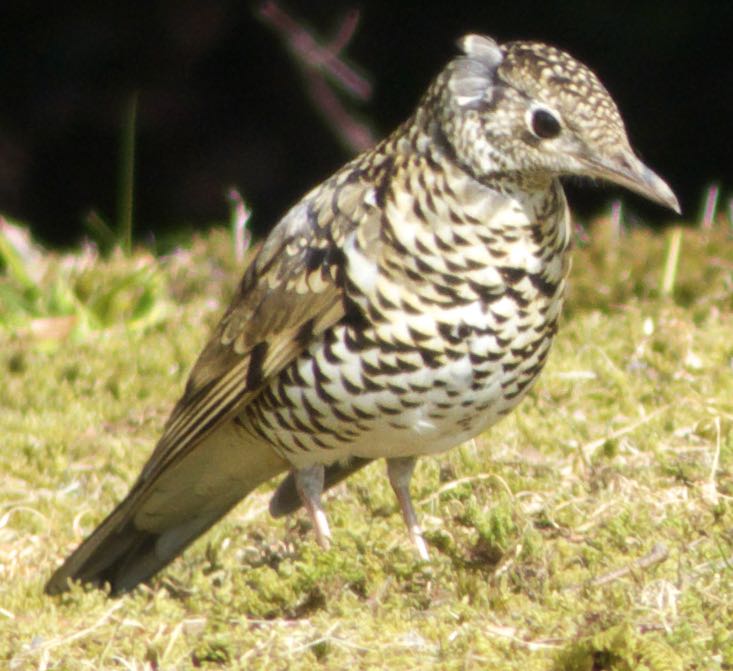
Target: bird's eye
545 124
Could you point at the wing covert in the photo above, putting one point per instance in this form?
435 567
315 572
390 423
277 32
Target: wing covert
289 295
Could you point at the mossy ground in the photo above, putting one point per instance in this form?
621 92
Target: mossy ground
592 529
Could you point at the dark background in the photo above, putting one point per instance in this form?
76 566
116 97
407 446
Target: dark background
222 101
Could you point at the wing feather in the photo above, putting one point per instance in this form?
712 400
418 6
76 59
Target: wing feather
203 464
290 294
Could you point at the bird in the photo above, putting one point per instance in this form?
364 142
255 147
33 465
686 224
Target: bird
400 308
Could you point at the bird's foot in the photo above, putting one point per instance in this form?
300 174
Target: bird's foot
400 473
309 483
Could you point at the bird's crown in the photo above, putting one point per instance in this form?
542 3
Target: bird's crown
533 112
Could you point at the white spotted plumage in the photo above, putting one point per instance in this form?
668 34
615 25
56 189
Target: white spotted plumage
468 384
402 306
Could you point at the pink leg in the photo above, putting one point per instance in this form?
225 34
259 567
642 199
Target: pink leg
309 483
400 472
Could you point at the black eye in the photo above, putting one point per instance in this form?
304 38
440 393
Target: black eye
545 124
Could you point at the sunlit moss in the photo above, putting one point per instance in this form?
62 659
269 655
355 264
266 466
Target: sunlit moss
536 529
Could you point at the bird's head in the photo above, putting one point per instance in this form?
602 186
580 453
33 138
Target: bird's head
532 111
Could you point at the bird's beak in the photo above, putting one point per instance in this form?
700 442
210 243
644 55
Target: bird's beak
628 171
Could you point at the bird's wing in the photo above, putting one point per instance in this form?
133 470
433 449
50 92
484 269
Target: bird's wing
290 294
203 463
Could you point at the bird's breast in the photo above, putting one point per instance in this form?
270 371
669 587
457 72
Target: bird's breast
427 361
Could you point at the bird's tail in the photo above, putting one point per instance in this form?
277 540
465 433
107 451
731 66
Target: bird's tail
161 516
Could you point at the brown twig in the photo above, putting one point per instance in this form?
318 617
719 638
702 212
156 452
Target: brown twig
355 134
239 216
311 53
320 61
658 554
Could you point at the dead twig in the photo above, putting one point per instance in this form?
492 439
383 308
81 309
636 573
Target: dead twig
659 553
239 216
321 62
587 450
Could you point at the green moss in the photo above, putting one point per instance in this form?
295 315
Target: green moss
536 529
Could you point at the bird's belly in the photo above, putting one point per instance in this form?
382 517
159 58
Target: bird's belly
360 394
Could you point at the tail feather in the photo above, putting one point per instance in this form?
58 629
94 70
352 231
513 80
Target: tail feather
123 558
159 519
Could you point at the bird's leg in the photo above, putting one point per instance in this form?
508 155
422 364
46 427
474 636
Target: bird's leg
400 471
309 483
